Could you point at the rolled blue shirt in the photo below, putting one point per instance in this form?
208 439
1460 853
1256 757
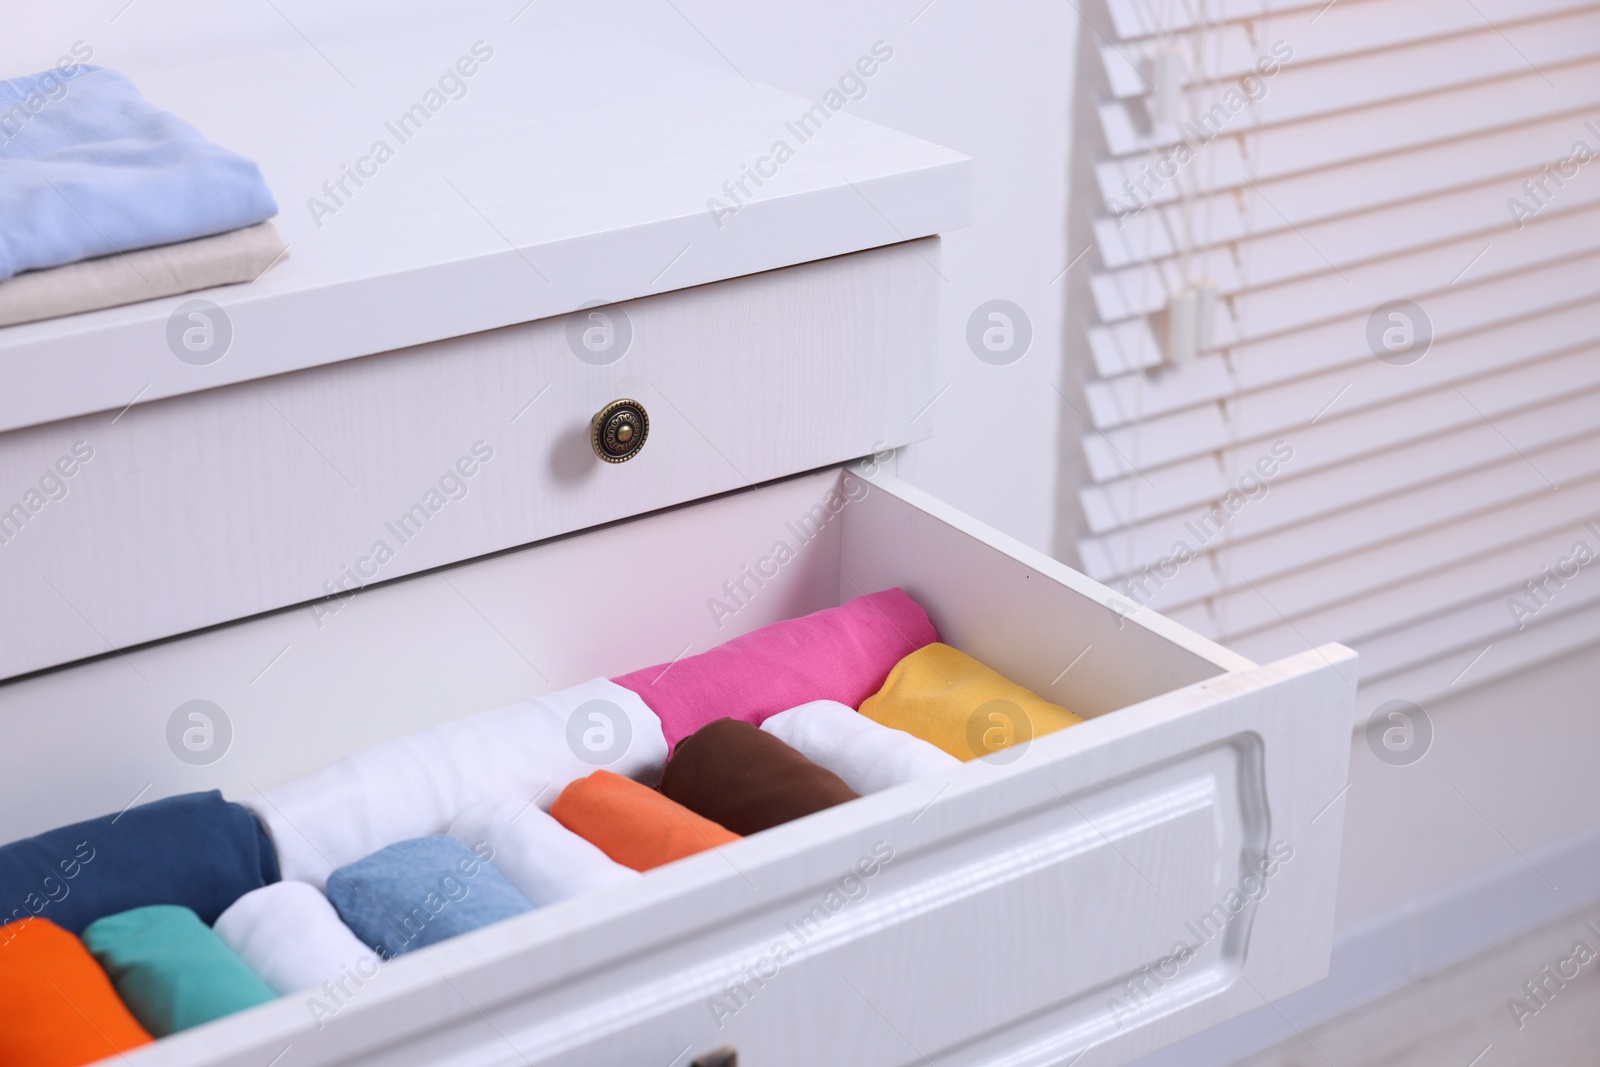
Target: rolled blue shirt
419 892
196 850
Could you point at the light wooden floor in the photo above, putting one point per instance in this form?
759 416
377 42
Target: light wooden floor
1461 1019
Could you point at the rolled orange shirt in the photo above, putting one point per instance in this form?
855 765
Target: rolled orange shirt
57 1007
632 823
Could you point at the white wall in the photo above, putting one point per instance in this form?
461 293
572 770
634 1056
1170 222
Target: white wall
1511 772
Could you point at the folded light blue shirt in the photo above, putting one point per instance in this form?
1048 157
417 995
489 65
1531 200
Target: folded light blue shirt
89 168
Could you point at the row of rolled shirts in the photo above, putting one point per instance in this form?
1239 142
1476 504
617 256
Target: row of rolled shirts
188 909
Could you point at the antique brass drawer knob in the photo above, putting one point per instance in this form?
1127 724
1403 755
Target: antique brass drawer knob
618 430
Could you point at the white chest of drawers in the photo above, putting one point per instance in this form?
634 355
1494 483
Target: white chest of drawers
1115 887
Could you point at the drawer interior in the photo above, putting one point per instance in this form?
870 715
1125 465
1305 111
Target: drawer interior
300 688
1028 902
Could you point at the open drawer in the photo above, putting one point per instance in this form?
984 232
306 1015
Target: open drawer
1096 894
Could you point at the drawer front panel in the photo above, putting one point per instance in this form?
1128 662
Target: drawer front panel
1049 934
960 939
201 509
1025 912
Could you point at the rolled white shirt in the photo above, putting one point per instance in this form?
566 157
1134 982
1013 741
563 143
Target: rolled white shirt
544 860
290 935
866 754
415 786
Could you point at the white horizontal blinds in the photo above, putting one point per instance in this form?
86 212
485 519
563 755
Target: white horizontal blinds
1287 486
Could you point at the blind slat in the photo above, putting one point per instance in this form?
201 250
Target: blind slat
1237 160
1338 244
1142 18
1505 486
1307 91
1378 467
1318 33
1476 624
1332 192
1496 573
1131 398
1243 607
1457 312
1560 634
1262 311
1420 399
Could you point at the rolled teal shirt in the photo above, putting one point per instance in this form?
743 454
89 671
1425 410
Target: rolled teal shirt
170 969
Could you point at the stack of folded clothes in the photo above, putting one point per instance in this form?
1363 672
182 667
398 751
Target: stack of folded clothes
106 200
128 931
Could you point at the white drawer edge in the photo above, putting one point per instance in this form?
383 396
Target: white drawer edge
1114 603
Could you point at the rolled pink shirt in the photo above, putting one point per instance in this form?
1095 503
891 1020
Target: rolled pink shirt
841 653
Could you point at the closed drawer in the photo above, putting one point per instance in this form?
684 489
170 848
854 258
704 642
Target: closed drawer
1112 887
212 506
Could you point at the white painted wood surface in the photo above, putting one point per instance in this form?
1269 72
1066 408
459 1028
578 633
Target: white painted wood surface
1020 897
570 170
202 509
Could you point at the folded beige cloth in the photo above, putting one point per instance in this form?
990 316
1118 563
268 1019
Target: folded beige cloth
237 256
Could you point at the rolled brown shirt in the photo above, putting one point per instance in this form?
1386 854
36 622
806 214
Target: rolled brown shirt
746 780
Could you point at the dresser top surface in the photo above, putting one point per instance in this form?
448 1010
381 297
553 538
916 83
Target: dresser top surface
568 169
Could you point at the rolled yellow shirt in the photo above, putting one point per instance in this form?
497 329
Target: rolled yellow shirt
950 700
